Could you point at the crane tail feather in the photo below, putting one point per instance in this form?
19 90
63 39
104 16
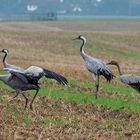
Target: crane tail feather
136 86
107 74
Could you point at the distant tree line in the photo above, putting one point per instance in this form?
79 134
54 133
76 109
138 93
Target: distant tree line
103 7
74 7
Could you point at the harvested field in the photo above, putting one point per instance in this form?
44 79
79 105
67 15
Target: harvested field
72 112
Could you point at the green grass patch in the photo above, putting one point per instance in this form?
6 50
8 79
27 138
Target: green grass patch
123 89
13 110
26 120
70 94
115 102
49 122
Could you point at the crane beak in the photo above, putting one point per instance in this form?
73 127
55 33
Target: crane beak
109 63
75 38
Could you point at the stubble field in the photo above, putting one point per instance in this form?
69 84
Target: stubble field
72 112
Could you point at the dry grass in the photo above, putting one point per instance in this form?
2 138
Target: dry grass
49 44
65 120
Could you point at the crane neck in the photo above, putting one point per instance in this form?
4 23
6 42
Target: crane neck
119 70
82 47
4 60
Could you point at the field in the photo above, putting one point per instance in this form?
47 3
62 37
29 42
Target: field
72 112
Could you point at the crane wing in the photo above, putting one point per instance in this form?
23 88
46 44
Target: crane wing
56 76
22 76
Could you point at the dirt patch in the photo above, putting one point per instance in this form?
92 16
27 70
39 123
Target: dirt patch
60 119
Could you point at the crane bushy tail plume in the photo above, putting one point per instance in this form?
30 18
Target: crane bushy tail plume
107 74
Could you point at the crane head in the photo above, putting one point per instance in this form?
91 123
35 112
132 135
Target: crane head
80 37
113 62
4 51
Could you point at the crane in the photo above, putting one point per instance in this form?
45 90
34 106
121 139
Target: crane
96 66
34 71
133 80
20 82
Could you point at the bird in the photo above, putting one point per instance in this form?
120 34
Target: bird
132 80
34 72
20 82
95 66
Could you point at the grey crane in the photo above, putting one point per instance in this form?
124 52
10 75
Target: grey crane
34 72
133 80
96 66
20 82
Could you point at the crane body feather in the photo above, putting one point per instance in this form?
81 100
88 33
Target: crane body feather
132 80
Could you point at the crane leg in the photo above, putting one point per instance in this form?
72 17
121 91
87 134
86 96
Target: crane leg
96 79
97 84
33 99
16 95
26 101
97 87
